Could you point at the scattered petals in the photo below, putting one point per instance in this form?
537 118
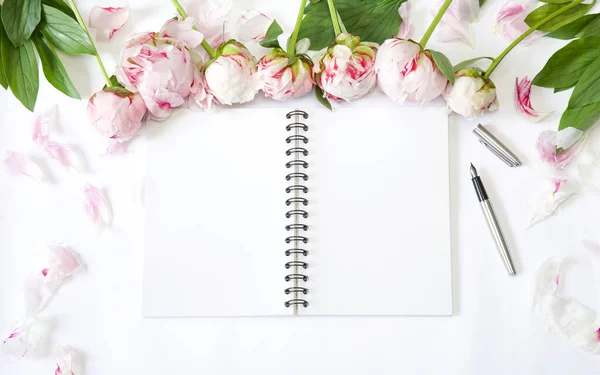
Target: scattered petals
42 125
523 100
571 140
96 206
108 21
64 155
455 25
406 27
592 246
19 164
68 363
551 195
510 21
26 336
564 318
252 26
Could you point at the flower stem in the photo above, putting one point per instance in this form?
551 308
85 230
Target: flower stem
294 37
184 15
96 54
533 28
334 18
435 22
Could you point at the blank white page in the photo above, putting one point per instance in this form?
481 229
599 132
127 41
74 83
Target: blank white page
214 221
379 205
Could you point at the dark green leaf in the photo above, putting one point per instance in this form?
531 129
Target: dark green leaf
561 20
592 28
20 18
61 5
54 70
481 2
556 1
270 40
64 33
317 26
566 66
581 118
571 30
22 72
322 99
114 81
443 64
467 63
587 90
559 89
3 41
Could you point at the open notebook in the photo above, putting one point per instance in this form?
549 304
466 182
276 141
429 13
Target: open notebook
264 212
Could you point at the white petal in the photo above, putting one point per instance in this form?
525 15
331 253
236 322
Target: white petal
252 26
546 201
303 45
592 246
26 335
96 205
567 137
19 164
68 362
406 27
108 20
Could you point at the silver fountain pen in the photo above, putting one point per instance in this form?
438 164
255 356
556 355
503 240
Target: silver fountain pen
492 221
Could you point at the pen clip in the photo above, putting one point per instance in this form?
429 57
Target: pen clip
495 146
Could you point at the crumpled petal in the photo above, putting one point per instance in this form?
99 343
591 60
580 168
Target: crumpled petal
182 31
27 334
523 100
406 27
19 164
571 140
455 25
61 263
252 26
592 246
510 21
96 205
68 363
42 125
108 21
551 195
565 318
64 155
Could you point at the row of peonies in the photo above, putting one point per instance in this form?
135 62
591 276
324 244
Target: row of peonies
160 71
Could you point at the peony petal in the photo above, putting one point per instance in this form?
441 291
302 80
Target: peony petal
568 137
546 201
19 164
108 21
182 31
252 26
592 246
406 27
68 363
27 335
210 16
64 155
96 205
42 125
523 100
510 21
302 46
455 25
572 142
116 146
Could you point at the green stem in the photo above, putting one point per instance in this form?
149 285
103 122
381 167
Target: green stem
96 54
294 37
533 28
184 15
434 23
334 18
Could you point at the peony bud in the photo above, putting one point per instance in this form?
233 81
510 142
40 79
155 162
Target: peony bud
407 74
472 94
231 76
346 70
283 77
116 113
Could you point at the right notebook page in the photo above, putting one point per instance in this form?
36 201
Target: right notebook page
379 213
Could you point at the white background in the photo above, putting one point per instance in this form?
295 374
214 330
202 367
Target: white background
99 312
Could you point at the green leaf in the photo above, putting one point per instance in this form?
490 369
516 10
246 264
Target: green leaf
570 31
587 90
467 63
581 118
64 33
481 2
443 64
54 70
561 20
22 72
20 18
270 40
321 98
556 1
3 41
592 28
60 5
371 20
564 69
114 82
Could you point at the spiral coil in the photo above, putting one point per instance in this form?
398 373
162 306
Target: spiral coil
297 204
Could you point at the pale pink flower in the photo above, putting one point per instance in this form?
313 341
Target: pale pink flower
27 335
346 71
548 198
406 27
281 80
455 25
64 154
252 26
571 140
68 363
108 21
42 125
510 21
210 17
19 164
472 95
523 100
96 205
117 113
407 74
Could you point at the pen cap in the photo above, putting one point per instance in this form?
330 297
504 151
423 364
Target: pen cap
495 146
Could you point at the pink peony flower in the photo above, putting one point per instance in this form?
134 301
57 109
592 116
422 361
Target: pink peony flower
407 74
282 80
471 95
116 113
510 21
346 71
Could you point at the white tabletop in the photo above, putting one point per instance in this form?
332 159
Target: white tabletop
99 311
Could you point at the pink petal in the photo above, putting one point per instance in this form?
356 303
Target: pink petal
116 146
64 155
406 27
548 141
523 100
42 124
455 25
510 21
108 21
68 363
182 31
25 337
210 16
546 201
252 26
19 164
96 206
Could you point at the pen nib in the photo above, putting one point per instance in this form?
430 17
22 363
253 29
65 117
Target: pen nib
473 171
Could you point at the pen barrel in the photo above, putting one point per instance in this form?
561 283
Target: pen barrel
496 232
479 189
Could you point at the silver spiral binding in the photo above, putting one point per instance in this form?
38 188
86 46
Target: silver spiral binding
297 210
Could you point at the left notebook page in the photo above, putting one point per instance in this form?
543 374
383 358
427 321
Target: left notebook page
214 202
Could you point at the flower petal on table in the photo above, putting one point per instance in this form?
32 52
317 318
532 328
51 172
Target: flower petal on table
96 205
252 26
19 164
68 363
406 27
455 25
64 155
116 146
42 125
570 139
182 31
523 100
546 201
108 21
510 21
27 334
